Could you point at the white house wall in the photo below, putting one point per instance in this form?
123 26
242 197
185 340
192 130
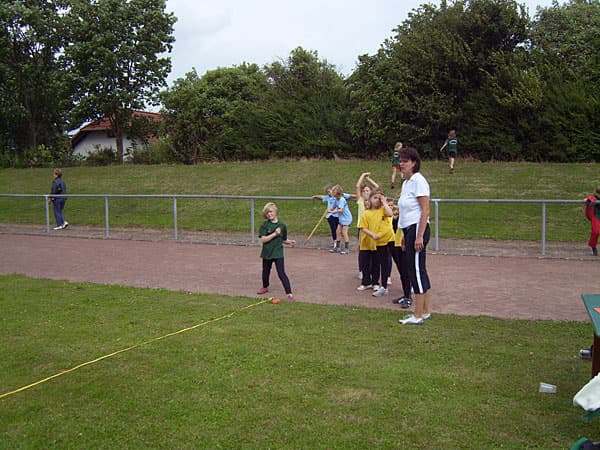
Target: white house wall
95 140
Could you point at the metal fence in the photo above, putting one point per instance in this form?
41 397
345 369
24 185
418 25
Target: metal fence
542 204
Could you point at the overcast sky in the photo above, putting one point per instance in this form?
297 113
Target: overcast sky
225 33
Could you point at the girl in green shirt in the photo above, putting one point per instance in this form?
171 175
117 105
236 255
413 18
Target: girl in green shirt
273 234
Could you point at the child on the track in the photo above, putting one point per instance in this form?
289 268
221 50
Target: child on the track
273 234
363 191
375 224
399 257
592 212
341 208
332 219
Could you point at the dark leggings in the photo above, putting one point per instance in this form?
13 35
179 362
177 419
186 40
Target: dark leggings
333 224
266 273
399 258
382 265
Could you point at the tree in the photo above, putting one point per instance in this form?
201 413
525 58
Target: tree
117 58
310 99
218 116
439 58
34 96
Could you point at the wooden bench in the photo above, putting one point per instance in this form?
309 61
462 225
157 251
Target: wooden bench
592 304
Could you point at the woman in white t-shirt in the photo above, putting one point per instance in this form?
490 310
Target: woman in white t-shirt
414 221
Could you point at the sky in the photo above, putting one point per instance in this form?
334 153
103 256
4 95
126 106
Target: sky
226 33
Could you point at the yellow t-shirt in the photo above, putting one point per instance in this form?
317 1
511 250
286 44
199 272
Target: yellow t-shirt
398 237
360 202
375 221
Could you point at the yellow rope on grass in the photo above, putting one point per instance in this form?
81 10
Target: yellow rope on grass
79 366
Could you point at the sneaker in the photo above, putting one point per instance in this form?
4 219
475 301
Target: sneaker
65 225
404 302
595 251
58 228
362 287
389 280
345 251
375 287
262 290
333 249
380 292
411 320
289 297
426 316
359 275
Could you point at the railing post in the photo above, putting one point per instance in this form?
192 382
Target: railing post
106 229
543 228
437 225
252 220
175 217
47 214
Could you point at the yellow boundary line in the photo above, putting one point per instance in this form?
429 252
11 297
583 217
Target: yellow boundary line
101 358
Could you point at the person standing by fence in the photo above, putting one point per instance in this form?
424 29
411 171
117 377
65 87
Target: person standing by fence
59 187
592 212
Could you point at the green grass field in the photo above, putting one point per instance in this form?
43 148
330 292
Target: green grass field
472 180
276 376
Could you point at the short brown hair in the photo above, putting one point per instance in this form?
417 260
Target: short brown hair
411 154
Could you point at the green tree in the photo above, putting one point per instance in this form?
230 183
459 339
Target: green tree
417 86
117 57
34 96
311 101
219 116
564 50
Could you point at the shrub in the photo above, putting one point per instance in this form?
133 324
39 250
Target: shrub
102 156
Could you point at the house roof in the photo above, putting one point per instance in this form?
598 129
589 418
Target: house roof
103 124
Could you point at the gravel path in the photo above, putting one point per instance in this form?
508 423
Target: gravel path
523 287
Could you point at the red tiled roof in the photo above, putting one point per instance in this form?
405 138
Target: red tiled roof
104 125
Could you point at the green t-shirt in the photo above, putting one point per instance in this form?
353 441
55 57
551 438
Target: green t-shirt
396 158
274 248
452 145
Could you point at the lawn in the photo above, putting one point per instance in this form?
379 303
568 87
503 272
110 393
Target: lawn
276 376
472 180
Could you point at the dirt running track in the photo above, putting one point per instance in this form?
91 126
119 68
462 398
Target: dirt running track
509 287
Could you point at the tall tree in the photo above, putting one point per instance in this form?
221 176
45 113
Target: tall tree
220 115
118 58
33 93
310 98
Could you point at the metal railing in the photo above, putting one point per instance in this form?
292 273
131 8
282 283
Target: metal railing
436 202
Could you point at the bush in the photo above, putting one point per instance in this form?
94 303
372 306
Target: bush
159 152
105 156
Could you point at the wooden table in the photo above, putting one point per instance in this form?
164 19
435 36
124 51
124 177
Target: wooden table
592 304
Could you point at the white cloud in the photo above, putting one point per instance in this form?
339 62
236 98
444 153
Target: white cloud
228 32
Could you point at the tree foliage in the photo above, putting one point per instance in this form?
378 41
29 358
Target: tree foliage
293 108
116 56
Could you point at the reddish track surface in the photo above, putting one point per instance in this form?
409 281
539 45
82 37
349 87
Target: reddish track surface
508 287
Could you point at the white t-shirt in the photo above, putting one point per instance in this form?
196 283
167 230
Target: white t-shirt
408 203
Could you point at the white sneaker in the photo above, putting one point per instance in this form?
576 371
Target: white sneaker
412 320
65 225
426 316
389 280
375 287
362 287
58 228
380 292
359 276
